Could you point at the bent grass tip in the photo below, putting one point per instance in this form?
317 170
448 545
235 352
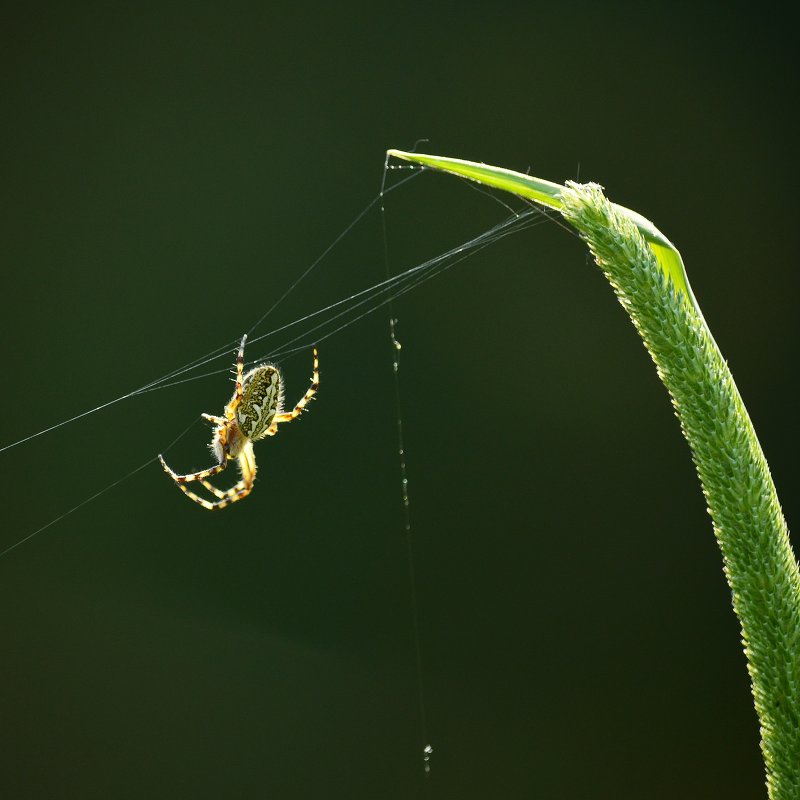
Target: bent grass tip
649 279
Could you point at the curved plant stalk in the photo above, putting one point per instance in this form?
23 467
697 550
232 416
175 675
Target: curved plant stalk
648 277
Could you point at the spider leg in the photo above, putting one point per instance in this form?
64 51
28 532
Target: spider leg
203 473
230 409
219 493
214 419
222 433
247 464
207 504
195 476
298 409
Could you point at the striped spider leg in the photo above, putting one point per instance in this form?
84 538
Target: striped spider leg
253 413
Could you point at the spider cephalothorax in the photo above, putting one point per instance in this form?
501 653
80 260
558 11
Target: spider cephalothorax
254 412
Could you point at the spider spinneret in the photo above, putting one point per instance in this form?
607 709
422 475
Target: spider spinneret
253 413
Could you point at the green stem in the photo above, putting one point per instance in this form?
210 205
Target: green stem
647 274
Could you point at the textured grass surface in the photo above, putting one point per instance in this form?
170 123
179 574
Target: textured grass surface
647 274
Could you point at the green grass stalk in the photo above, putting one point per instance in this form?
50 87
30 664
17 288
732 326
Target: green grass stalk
648 277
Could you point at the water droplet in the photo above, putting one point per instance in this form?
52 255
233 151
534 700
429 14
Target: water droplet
426 757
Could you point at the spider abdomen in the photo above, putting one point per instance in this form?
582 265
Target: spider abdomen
262 399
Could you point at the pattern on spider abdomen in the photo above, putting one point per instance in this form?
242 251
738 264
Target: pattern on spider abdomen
262 399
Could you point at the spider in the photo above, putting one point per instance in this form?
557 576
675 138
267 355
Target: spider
253 413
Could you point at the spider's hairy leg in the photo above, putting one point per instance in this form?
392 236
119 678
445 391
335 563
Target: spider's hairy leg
304 400
221 447
247 464
222 450
212 418
194 476
213 506
219 493
230 409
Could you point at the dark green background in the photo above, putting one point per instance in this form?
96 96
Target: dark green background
166 173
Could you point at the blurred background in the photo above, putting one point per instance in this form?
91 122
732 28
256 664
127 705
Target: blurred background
168 172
